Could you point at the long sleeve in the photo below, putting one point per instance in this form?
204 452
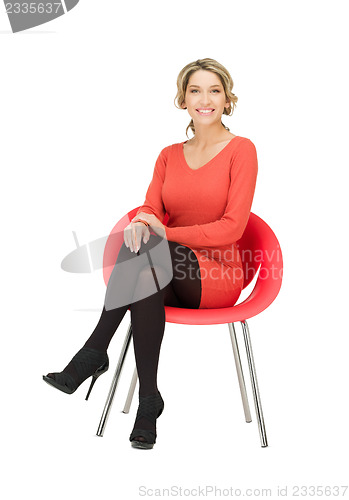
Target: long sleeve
153 203
230 227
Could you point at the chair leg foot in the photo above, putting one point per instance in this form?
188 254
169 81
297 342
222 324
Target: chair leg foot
255 390
240 373
110 398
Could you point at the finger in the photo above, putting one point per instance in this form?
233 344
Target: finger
127 237
140 232
131 238
137 236
146 235
135 240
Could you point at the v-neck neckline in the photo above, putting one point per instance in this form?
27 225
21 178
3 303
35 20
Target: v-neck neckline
207 163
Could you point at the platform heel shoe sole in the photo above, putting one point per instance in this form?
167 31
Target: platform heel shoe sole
60 387
67 384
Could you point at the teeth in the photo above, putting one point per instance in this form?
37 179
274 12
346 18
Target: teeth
205 110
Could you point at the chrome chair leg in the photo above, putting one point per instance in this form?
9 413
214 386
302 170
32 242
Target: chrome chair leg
110 398
256 395
131 391
240 372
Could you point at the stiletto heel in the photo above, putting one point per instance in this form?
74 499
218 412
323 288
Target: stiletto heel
90 389
84 362
100 371
150 407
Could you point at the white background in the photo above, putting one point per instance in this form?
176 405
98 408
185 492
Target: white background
86 107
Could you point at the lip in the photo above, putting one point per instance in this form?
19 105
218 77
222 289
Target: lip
205 114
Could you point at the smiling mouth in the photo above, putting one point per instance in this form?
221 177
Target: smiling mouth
205 111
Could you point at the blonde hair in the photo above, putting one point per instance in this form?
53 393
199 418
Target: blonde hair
209 65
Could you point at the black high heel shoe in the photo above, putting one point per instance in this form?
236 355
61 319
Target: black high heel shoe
85 362
150 407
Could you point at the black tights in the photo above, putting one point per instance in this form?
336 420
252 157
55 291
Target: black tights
143 294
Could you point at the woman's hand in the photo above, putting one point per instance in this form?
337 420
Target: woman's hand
154 222
133 234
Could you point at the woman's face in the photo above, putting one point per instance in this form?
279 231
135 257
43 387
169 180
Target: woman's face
205 92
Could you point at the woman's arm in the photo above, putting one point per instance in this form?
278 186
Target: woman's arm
231 226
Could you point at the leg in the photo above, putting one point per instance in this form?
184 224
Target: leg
256 396
148 314
148 319
171 299
131 392
119 295
240 373
110 398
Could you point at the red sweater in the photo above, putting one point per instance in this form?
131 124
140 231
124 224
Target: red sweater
208 207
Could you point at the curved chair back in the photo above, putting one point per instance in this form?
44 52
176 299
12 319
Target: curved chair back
247 246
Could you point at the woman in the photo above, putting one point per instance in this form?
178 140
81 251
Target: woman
206 186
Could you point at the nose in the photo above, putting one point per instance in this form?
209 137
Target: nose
205 99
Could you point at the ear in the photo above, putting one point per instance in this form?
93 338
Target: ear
183 106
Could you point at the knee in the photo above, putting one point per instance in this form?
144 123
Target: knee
149 275
145 275
150 281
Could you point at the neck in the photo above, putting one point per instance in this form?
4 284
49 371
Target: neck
209 135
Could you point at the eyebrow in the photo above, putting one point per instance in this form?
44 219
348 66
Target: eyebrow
199 86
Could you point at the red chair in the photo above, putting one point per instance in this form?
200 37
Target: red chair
260 252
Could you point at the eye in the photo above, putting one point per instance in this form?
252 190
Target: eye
214 90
